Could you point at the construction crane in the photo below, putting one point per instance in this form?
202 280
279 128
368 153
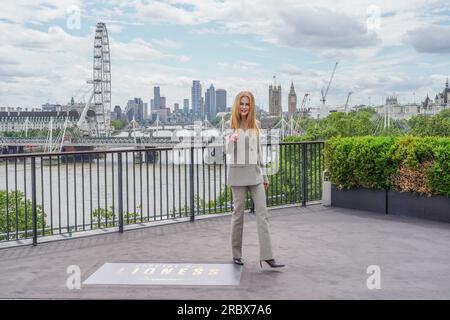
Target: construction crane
324 94
346 102
302 106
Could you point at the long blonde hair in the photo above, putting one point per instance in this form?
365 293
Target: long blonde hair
251 116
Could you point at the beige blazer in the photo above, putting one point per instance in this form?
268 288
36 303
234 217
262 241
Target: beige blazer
243 157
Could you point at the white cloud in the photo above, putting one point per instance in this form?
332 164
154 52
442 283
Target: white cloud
167 43
430 39
332 31
282 22
114 27
240 65
136 50
184 58
45 66
209 30
252 47
305 27
36 11
153 12
36 66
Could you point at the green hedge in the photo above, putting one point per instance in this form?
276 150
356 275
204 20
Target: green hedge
380 162
16 216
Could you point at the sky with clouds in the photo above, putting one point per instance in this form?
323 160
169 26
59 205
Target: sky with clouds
383 48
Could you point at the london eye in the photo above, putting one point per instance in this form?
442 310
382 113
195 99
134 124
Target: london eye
100 99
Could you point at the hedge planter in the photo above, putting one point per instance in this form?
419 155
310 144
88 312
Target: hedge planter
360 199
406 204
419 206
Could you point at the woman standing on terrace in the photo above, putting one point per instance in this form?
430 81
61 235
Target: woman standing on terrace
246 174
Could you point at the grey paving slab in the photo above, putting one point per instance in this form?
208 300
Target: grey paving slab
327 252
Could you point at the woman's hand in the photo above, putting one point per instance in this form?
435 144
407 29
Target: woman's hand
234 137
266 184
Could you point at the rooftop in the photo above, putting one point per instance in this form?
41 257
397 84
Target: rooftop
327 252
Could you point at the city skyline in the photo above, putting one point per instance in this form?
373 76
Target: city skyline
383 49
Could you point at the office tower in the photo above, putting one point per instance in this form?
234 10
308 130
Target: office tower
196 97
163 102
210 103
161 114
156 98
204 106
135 109
292 100
202 109
176 107
145 117
186 105
221 100
118 111
130 110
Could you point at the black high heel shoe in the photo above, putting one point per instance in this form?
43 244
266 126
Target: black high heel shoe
238 261
271 263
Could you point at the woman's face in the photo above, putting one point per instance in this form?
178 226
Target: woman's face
244 106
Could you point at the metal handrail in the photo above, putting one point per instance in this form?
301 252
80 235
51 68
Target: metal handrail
104 174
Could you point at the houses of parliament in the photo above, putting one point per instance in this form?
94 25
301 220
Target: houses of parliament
275 106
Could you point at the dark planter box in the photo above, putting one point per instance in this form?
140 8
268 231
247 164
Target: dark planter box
419 206
406 204
360 199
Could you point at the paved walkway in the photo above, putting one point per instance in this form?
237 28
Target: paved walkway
327 252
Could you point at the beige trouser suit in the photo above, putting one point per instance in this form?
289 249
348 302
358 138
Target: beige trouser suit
245 173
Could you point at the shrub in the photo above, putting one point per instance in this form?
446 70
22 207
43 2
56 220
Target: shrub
410 164
439 173
411 151
359 161
18 218
408 179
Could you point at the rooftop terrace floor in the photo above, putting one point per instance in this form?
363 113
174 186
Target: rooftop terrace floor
327 252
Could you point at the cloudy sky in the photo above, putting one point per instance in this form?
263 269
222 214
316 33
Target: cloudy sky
383 47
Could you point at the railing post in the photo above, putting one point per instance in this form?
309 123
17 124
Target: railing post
304 175
119 190
191 183
33 199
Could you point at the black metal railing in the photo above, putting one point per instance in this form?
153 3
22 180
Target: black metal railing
45 194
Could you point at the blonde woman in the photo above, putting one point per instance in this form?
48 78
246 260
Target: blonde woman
245 173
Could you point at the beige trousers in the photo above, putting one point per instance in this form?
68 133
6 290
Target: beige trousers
237 221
